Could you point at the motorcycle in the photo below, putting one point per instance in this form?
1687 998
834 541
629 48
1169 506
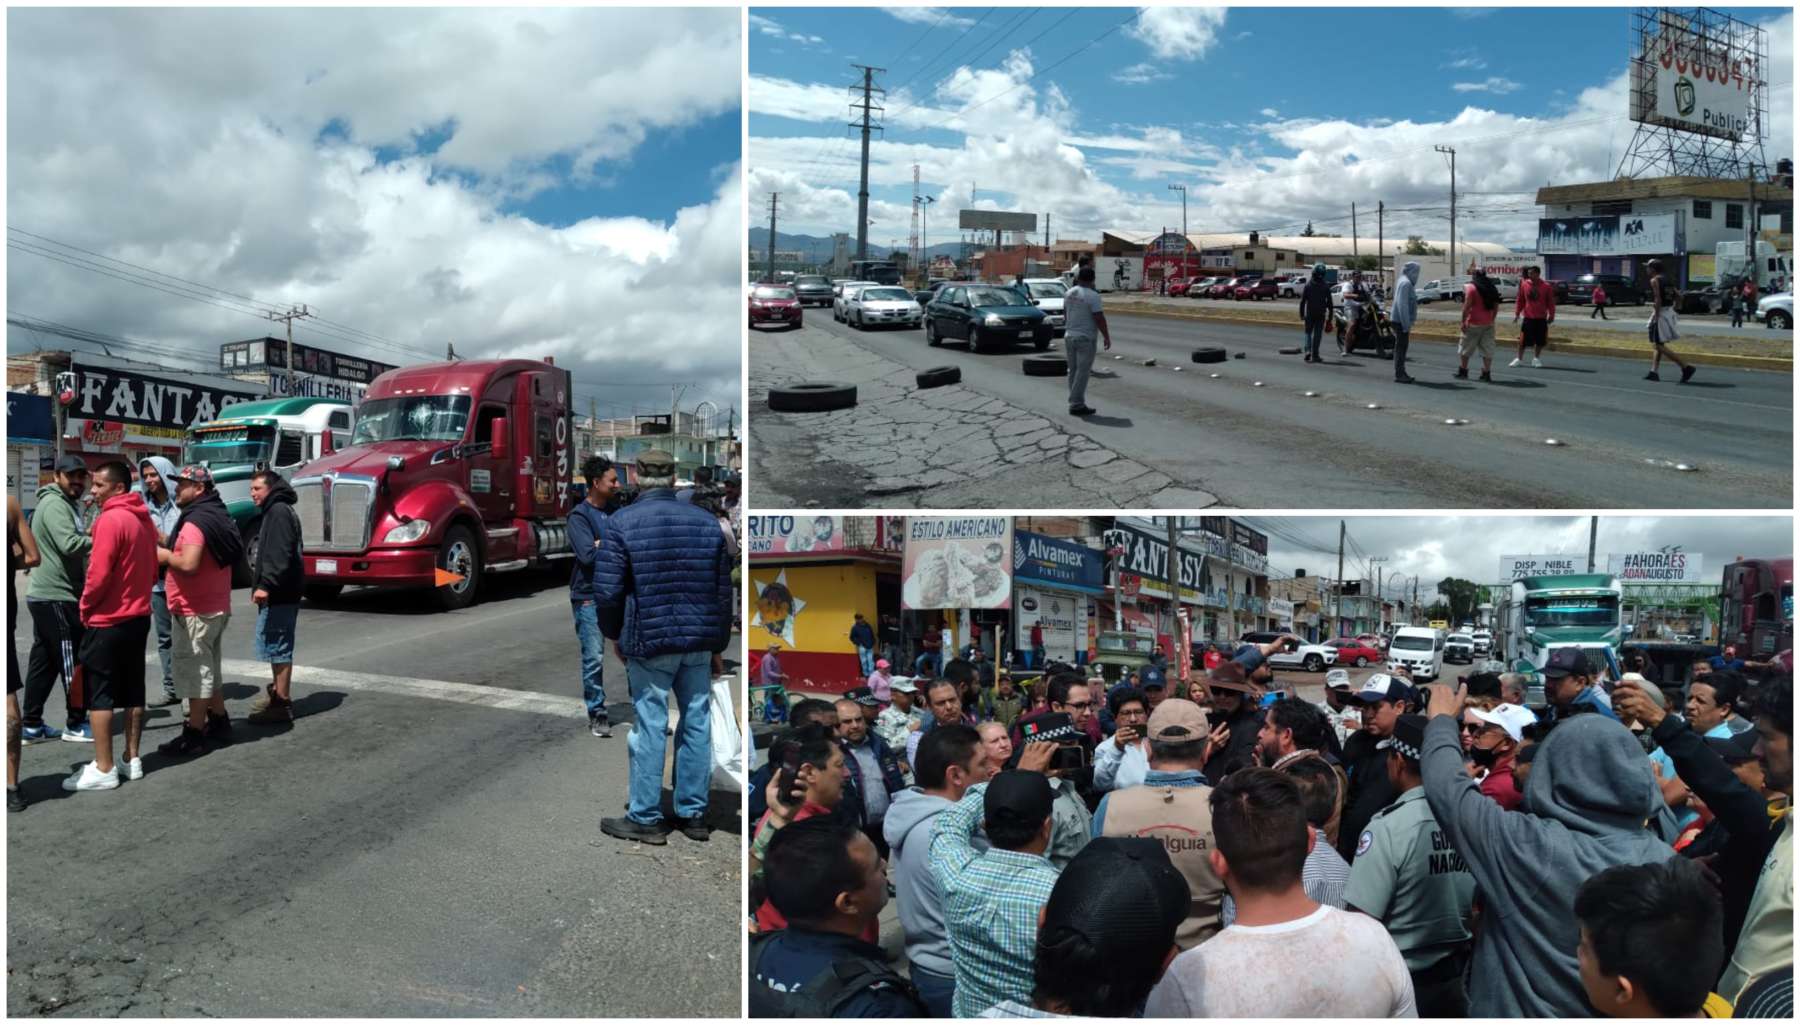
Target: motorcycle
1371 330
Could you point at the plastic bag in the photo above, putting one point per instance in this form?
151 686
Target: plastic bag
728 771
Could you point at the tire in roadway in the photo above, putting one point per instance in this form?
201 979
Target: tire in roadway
1210 354
1046 366
937 377
812 397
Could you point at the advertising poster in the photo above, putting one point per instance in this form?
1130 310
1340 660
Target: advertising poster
795 535
1667 565
1064 618
1515 567
957 562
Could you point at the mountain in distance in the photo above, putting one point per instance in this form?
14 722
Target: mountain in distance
813 244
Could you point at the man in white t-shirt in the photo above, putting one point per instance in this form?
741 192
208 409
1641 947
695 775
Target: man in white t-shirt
1287 955
1083 321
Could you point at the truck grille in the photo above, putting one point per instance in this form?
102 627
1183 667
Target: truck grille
342 524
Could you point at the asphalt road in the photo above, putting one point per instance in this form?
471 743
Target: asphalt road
1273 446
422 841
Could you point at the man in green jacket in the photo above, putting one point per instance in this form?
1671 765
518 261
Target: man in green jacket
52 598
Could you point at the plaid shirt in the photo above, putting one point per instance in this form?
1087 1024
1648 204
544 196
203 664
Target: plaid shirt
991 904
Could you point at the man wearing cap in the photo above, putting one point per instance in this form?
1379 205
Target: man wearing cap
52 596
663 587
1112 915
1727 660
1071 822
873 765
1172 806
1408 877
993 899
863 636
1494 738
1569 685
1383 699
899 720
199 558
1237 714
1345 716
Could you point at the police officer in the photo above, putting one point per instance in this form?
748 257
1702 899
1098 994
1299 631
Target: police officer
1407 876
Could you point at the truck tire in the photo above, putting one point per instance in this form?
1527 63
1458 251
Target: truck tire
252 534
1046 366
322 594
1210 354
459 554
937 377
812 397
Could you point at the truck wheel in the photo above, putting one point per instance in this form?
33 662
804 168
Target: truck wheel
459 555
321 594
812 397
1314 663
252 535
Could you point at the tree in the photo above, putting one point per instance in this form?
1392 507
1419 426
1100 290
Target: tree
1461 595
1308 233
1415 245
1363 263
1438 610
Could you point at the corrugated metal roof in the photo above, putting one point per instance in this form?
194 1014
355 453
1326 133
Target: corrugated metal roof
1673 187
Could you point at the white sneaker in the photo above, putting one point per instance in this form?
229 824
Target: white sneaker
91 778
1514 363
1537 364
134 769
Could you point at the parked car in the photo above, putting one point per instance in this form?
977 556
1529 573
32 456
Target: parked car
1620 290
1047 295
1776 311
774 304
1459 648
985 315
813 289
1289 286
1256 288
882 305
1221 289
1179 286
1196 288
1376 641
1314 658
1354 652
843 293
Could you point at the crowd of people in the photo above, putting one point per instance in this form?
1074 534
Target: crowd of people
1224 847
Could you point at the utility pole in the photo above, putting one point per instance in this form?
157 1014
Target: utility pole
294 313
912 244
868 108
1174 582
1355 243
1381 257
774 201
1046 236
1593 536
1337 605
1415 608
1750 228
1455 268
1184 234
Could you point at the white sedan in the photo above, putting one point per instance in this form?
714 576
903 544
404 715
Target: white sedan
840 296
1776 311
876 305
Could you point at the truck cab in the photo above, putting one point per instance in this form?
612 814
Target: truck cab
454 471
276 434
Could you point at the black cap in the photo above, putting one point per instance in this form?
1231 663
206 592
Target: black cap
1122 895
71 464
1408 738
1736 748
862 696
1018 798
1567 662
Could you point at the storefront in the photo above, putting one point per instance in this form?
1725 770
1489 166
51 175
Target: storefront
809 577
30 446
1054 584
123 410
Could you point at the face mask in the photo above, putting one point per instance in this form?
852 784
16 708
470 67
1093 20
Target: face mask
1484 756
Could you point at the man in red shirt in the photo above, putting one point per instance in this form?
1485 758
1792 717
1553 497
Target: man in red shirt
206 545
1536 304
115 616
1493 746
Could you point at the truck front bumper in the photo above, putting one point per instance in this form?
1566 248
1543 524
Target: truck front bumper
377 567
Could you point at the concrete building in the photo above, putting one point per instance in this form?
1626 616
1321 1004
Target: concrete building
1616 227
691 441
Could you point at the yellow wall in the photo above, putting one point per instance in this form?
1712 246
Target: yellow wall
828 597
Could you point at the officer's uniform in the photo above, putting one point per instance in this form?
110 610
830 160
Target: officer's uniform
1407 875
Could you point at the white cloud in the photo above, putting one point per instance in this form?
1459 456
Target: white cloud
1464 64
1470 13
1270 112
1178 33
929 16
1493 84
1139 74
771 27
167 138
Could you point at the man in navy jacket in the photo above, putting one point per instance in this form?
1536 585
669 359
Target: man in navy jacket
663 588
585 529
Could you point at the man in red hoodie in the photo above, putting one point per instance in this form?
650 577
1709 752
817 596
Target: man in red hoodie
115 612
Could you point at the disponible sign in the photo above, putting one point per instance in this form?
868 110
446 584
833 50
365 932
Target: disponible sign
1057 562
795 535
1516 567
1668 565
957 562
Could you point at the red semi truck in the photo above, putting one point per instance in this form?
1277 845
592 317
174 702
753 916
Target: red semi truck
1756 611
454 471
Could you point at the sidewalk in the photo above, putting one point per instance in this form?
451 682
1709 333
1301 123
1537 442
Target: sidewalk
947 447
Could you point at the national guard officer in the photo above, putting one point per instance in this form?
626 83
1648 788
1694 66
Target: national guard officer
1407 876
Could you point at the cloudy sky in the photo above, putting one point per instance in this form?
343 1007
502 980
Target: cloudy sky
1270 119
1470 547
545 182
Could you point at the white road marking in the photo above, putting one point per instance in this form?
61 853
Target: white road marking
405 686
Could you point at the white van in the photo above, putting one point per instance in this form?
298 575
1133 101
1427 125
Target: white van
1420 649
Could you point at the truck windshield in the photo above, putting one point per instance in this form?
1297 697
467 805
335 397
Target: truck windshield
1572 611
229 446
412 418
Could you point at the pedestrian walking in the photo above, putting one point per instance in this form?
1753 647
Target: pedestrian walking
663 589
1315 309
278 581
1481 304
586 528
51 599
1662 325
200 559
154 476
115 616
1403 316
1534 309
1736 301
1037 645
1082 318
1600 300
24 552
863 636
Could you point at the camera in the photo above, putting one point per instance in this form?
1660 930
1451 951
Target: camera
1070 758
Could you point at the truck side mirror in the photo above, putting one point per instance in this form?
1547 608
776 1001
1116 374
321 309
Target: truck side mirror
327 444
498 438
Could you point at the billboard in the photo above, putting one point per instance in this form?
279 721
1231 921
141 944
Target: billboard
168 405
957 562
995 220
1513 567
1695 82
1147 556
796 535
1058 563
271 353
1665 565
1614 235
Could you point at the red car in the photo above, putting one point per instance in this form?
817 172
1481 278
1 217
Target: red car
1352 652
1255 288
1179 286
774 304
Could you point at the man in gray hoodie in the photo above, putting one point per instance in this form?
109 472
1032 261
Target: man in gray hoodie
1586 801
950 760
1404 315
154 476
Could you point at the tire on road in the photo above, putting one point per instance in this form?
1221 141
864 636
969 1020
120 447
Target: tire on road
1292 350
812 397
1210 354
1046 366
937 377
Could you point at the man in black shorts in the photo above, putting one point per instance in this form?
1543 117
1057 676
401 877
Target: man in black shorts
115 615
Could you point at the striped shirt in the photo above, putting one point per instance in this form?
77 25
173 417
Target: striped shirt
1324 877
991 903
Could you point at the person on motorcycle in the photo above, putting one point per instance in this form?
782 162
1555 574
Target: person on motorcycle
1355 298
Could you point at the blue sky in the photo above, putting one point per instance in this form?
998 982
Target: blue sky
1204 98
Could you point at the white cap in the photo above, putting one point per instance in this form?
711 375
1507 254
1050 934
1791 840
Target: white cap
1511 718
1337 679
903 684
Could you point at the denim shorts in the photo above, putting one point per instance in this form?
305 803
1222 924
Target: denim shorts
275 633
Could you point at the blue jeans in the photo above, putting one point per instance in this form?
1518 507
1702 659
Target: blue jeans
938 991
867 657
587 628
1315 336
932 662
165 636
1037 657
689 675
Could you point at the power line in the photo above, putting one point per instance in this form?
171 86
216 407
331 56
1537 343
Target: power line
953 44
